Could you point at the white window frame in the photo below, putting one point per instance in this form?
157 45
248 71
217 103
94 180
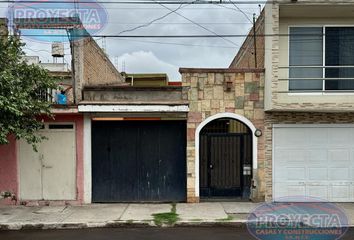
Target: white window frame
324 92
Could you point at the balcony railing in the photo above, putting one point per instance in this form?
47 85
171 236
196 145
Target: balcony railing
316 79
51 95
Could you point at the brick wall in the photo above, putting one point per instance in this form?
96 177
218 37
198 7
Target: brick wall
294 118
207 96
91 66
98 69
245 56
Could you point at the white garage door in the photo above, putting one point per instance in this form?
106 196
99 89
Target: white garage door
315 161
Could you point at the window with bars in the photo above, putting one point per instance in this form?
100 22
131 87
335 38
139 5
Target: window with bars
321 58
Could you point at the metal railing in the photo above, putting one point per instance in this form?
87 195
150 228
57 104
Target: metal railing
285 71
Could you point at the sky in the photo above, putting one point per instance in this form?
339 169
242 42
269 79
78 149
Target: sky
164 55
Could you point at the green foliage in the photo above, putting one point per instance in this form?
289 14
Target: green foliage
20 101
168 218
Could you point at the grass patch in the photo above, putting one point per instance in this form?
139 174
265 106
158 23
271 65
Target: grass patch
168 218
228 218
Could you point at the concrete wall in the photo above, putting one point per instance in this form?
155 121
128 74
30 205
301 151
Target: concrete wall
8 170
208 96
133 94
245 57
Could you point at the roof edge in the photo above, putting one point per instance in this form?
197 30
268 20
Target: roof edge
221 70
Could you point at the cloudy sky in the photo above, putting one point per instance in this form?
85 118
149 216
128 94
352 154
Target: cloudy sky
144 55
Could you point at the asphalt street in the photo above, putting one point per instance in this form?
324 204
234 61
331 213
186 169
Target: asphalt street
191 233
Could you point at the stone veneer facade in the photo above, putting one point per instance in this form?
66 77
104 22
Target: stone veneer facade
207 95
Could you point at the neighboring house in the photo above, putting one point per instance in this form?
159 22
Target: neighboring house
309 101
56 171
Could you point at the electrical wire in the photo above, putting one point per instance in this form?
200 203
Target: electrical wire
151 22
201 26
237 7
147 2
177 36
178 44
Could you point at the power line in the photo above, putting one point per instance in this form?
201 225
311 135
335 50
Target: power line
181 23
201 26
145 2
170 2
151 22
177 36
237 7
178 44
231 8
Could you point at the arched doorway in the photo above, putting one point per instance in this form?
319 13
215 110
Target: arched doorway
226 157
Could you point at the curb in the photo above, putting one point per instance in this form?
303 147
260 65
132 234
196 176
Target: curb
116 224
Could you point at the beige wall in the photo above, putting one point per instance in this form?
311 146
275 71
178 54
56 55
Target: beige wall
208 96
278 21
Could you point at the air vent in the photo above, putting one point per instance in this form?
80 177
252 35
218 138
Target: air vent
61 126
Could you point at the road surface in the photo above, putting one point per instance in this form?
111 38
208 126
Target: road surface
191 233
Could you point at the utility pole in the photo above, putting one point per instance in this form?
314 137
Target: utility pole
255 40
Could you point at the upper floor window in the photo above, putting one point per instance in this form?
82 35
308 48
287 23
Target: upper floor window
321 58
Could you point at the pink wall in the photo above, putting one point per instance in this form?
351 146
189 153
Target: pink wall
8 160
8 169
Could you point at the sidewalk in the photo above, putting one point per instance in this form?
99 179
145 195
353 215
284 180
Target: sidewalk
131 215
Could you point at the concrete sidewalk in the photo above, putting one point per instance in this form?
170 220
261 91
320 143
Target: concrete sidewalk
119 215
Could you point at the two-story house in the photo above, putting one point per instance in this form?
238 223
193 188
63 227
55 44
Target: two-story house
309 99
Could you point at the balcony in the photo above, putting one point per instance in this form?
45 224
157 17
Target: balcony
306 80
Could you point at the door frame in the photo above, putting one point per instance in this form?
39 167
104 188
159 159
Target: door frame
46 129
234 116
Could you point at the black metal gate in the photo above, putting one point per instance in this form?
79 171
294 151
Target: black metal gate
225 164
138 161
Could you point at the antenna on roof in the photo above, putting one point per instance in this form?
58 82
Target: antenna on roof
104 44
123 66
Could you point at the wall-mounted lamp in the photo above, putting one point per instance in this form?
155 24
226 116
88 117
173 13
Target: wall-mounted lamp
258 133
228 86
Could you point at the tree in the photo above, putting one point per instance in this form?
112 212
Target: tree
21 101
